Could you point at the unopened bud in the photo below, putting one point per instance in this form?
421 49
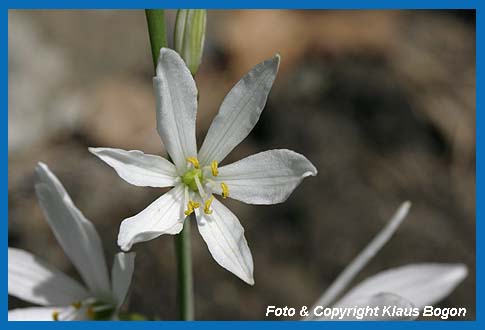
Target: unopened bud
189 36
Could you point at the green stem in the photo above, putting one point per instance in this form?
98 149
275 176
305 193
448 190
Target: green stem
185 287
157 32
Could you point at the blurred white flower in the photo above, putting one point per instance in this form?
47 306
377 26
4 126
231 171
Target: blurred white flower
63 298
265 178
410 286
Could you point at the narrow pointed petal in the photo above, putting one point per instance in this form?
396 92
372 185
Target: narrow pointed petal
33 314
176 97
164 216
121 275
73 231
137 168
421 284
268 177
35 281
353 268
225 239
239 112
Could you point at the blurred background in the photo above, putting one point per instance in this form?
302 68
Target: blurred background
382 102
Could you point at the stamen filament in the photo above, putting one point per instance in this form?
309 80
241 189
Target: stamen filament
211 182
71 313
186 194
199 187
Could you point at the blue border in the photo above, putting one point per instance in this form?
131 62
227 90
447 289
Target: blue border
479 160
171 4
218 4
267 4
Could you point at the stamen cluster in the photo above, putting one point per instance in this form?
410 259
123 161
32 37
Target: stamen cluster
200 185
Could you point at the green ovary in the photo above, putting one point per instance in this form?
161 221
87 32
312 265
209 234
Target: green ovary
189 178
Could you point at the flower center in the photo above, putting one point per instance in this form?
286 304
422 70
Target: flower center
201 180
189 178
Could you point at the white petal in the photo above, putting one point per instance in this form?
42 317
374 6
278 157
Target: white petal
225 239
33 314
73 231
176 96
380 300
164 216
239 112
421 284
137 168
35 281
268 177
121 275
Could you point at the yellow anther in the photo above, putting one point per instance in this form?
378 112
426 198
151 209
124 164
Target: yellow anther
194 204
191 206
76 304
194 161
189 210
214 168
225 190
55 315
207 205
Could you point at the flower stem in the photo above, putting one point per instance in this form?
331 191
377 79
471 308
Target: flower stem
185 287
156 31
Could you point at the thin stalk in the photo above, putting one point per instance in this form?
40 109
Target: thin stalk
185 287
156 31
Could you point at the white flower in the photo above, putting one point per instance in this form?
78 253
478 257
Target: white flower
265 178
406 287
63 298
